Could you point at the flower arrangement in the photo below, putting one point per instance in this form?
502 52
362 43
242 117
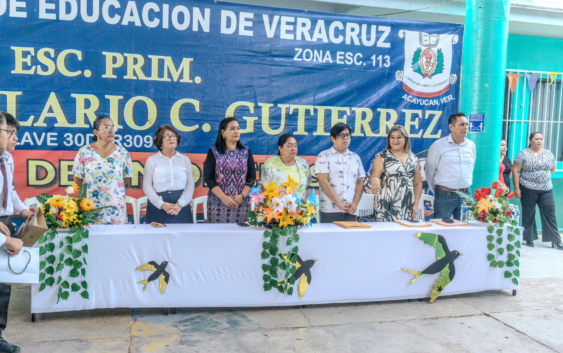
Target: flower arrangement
488 207
62 213
67 211
278 205
494 209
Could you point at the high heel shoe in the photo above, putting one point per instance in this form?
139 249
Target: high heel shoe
530 243
558 246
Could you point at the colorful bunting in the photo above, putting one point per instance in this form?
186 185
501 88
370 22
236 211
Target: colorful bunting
552 76
513 81
532 80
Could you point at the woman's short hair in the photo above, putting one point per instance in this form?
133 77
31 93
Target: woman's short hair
405 134
283 139
532 135
96 125
220 143
159 136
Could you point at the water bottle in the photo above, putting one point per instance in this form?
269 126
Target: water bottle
464 212
516 214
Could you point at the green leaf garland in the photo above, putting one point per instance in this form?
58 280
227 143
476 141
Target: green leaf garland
279 253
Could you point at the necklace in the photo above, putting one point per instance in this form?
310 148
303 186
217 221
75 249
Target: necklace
103 153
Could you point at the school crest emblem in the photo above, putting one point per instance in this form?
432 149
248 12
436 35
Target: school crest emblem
428 63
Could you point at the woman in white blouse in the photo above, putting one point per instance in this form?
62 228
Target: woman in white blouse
168 180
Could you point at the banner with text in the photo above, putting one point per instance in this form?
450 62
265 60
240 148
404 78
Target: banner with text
192 63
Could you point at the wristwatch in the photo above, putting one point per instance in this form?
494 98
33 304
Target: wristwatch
180 203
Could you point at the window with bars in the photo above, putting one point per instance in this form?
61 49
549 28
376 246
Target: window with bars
540 109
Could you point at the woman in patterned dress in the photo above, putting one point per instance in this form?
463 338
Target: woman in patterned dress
532 171
229 172
106 168
395 179
286 163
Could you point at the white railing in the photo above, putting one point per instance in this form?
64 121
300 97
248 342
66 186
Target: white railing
540 110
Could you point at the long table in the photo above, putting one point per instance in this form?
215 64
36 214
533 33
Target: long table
219 265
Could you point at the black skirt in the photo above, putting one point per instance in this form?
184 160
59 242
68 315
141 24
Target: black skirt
155 214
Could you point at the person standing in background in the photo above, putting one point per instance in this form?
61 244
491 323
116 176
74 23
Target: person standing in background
13 245
449 168
505 165
532 171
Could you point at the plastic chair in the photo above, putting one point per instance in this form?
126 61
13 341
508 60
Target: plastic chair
421 209
31 202
195 202
133 202
141 207
365 207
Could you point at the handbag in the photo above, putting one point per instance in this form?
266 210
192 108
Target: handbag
20 268
33 228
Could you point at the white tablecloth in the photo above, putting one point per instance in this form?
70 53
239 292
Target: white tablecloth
219 265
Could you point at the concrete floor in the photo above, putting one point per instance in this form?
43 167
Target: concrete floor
492 321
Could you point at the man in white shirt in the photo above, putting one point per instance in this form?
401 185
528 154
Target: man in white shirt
449 168
341 177
12 245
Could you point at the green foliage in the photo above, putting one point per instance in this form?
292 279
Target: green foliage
507 274
500 251
490 246
515 281
84 294
279 253
490 238
493 263
500 264
490 229
490 257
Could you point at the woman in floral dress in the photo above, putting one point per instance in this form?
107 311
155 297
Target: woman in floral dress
229 172
395 179
286 163
105 167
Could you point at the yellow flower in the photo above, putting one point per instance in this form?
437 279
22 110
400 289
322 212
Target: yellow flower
271 190
56 201
290 185
87 205
285 219
75 188
69 206
42 208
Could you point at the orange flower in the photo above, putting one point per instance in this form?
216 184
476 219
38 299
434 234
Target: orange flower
87 205
484 205
75 188
269 214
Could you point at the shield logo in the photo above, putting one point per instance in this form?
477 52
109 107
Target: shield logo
428 62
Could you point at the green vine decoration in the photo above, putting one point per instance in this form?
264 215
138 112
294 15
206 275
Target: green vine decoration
74 214
280 253
495 242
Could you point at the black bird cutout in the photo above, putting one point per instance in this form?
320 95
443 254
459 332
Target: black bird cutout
302 273
444 263
159 271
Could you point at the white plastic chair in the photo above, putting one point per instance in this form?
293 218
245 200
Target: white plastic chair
133 202
31 202
141 207
421 208
195 202
365 207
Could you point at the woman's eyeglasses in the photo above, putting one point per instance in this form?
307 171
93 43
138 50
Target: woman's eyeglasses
108 128
170 137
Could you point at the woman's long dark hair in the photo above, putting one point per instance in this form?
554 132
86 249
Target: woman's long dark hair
220 144
283 139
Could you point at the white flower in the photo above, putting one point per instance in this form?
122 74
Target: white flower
290 202
69 190
278 204
54 210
